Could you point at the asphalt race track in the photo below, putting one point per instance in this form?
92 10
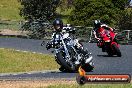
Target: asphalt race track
103 63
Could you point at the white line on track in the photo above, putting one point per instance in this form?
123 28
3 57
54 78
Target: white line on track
24 51
31 72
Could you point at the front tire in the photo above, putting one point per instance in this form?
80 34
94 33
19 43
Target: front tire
117 50
68 67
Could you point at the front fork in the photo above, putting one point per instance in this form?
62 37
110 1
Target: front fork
67 55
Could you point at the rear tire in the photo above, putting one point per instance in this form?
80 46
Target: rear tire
88 67
81 80
117 50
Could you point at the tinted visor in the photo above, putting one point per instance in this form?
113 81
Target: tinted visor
57 27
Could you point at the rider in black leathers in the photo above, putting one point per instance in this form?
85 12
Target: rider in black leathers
58 28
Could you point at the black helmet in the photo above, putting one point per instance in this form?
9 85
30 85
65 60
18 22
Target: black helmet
97 23
58 25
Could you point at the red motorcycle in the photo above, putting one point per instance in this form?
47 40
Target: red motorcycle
108 42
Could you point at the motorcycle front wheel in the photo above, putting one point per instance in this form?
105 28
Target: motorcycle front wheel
70 67
116 50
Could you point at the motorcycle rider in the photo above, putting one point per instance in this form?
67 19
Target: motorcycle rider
58 28
102 32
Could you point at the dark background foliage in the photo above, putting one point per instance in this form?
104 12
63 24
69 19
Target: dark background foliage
38 9
85 11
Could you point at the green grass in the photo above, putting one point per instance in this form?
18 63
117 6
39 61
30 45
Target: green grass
9 10
9 14
16 61
91 86
12 25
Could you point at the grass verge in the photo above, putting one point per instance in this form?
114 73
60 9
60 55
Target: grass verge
12 25
9 10
57 84
91 86
16 61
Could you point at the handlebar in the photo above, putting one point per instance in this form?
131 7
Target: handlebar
43 43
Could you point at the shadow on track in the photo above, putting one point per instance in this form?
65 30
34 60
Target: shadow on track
106 56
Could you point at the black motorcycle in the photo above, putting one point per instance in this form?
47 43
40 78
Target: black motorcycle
67 55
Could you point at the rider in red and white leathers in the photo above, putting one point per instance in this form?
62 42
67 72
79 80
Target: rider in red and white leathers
102 31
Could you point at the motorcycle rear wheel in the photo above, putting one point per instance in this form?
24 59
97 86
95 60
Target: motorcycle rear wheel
81 80
88 67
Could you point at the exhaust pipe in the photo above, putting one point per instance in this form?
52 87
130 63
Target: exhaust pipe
89 59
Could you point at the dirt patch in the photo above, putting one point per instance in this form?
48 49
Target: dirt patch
32 84
13 32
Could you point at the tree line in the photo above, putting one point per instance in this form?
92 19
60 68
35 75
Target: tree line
111 12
